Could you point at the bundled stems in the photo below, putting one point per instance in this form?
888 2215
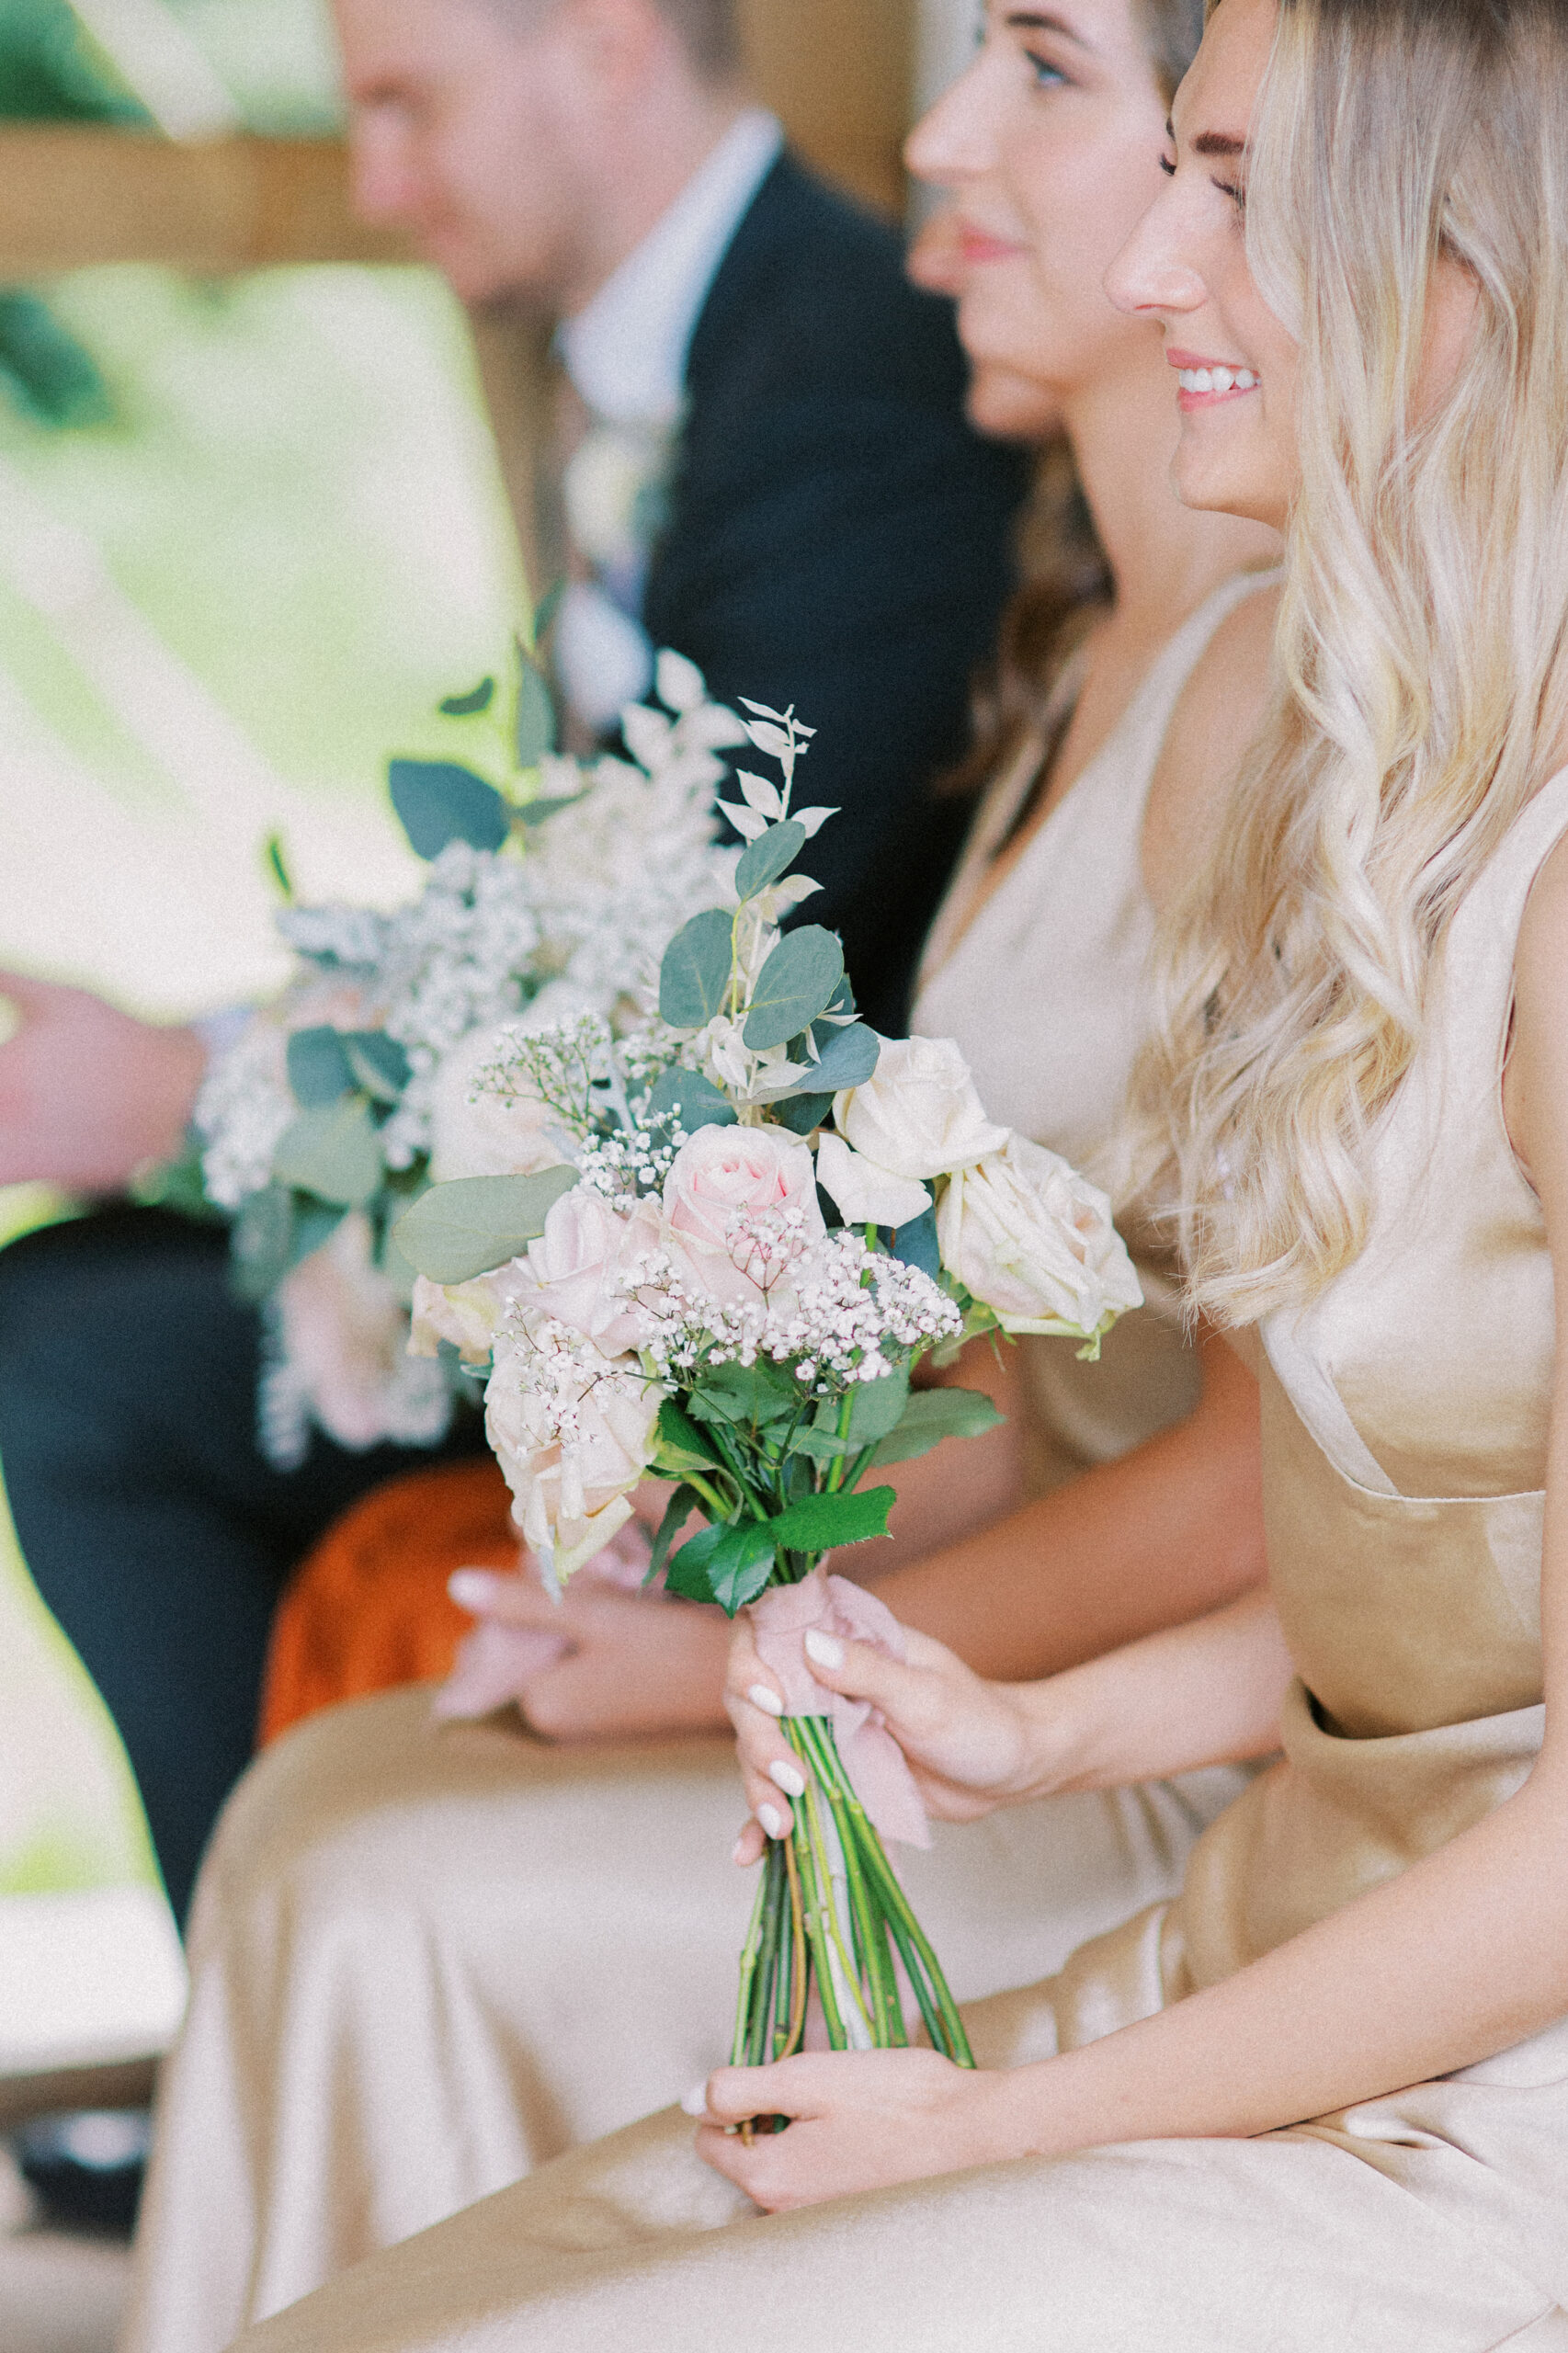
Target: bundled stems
830 1913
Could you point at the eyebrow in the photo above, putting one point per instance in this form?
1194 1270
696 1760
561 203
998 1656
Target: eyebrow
1043 20
1210 142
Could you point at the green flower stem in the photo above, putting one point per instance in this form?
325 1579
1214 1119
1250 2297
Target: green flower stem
836 1961
907 1928
870 1929
750 1952
813 1902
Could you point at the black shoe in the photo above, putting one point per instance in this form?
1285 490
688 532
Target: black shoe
86 2168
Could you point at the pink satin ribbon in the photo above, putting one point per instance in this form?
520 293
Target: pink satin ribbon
872 1758
497 1663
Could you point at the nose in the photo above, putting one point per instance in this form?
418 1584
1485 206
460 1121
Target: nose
1149 275
953 143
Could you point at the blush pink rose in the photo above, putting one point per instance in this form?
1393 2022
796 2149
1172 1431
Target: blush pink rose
574 1268
724 1175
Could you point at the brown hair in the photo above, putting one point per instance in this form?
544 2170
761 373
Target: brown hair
1067 581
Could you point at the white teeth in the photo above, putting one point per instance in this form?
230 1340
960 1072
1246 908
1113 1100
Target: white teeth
1216 380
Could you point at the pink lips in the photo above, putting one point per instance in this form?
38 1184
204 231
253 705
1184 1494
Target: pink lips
1187 401
978 245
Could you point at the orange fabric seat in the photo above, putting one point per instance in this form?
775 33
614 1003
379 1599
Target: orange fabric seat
369 1607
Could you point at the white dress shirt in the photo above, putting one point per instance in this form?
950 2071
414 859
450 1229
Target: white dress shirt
626 353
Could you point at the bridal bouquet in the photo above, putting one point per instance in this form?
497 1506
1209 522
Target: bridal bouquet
762 1219
340 1101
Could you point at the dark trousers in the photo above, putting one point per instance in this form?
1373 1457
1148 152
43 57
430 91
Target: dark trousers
155 1531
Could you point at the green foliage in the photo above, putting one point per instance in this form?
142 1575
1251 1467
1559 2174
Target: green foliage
261 1242
876 1407
917 1245
335 1152
802 1114
277 867
682 1446
319 1071
48 373
536 729
754 1397
699 1102
440 802
849 1059
476 1223
729 1565
694 979
933 1414
677 1511
48 74
469 706
545 804
795 987
380 1065
822 1523
771 855
315 1222
176 1185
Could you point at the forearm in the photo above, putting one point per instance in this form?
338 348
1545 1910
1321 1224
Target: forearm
1170 1531
1461 1957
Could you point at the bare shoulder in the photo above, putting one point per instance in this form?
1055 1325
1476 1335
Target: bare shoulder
1214 721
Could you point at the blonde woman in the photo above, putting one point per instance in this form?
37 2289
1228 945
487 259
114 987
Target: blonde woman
424 1962
1321 2099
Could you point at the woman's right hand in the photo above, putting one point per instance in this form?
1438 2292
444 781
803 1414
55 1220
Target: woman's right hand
972 1745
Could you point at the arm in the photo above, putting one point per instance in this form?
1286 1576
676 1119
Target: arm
88 1094
1171 1530
1463 1955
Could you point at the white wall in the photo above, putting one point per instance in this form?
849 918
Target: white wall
946 43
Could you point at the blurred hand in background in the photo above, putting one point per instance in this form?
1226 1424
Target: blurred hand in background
88 1095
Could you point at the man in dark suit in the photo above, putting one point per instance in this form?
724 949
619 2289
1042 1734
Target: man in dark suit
809 520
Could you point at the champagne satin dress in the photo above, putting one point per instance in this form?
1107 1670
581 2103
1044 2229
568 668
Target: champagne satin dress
424 1961
1404 1432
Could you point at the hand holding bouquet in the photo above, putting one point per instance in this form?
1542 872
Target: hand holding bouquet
674 1298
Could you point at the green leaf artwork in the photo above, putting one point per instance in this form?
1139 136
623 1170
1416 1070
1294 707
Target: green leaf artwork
333 1152
795 986
476 1223
440 802
771 855
933 1414
694 979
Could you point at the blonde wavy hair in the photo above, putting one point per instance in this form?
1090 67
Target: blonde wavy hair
1423 639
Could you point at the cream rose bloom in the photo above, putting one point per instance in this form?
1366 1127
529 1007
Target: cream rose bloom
481 1135
1033 1241
919 1115
573 1270
468 1315
343 1332
570 1496
724 1175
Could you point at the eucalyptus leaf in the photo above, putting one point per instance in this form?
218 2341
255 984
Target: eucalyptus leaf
477 1223
261 1242
801 1114
694 979
537 730
440 802
333 1152
315 1222
916 1244
319 1068
933 1414
469 706
548 804
729 1565
795 986
849 1059
700 1103
821 1523
771 855
378 1063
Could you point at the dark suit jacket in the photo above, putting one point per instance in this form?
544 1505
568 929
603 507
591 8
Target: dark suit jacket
840 539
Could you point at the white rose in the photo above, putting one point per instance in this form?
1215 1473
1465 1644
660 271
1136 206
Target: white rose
573 1269
919 1115
570 1495
482 1135
468 1315
1033 1241
866 1194
723 1177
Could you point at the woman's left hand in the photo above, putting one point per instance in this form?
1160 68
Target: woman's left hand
861 2119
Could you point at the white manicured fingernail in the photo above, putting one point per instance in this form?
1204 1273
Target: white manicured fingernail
738 1852
826 1649
771 1820
471 1589
769 1701
695 2102
788 1778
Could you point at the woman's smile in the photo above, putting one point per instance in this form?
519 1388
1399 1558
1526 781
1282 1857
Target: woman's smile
1203 383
